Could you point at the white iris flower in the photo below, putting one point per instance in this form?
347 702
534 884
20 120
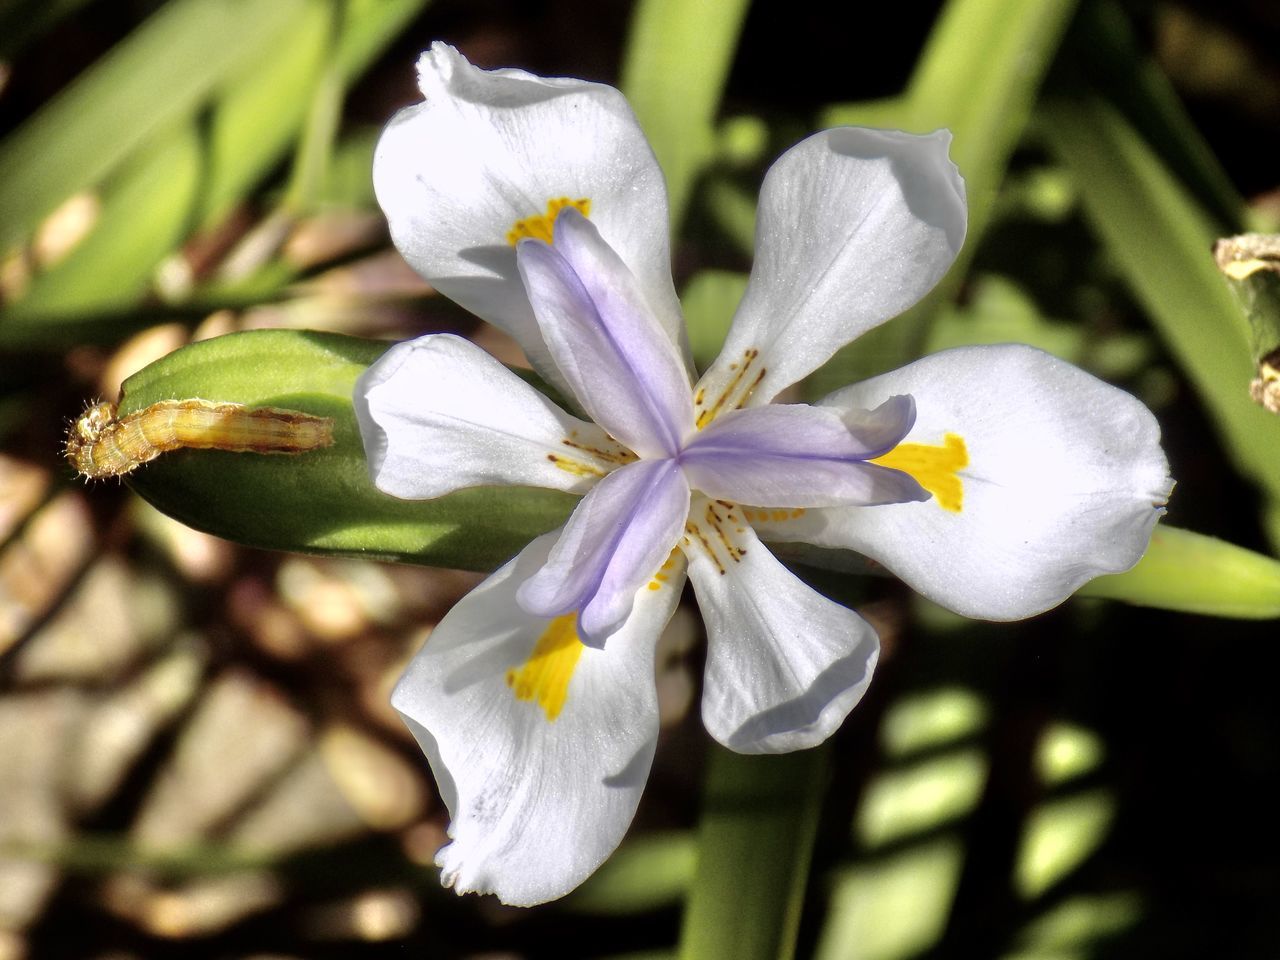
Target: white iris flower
993 480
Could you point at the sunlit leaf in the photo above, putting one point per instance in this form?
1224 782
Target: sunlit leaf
154 77
1193 573
755 839
677 60
1161 241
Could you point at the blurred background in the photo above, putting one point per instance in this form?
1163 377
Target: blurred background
196 754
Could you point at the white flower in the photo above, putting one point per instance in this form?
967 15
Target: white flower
1002 478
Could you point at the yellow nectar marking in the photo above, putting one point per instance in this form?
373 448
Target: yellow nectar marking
545 676
935 467
542 226
100 445
662 576
736 392
772 516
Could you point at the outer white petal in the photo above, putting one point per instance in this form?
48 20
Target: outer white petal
488 148
1065 481
537 805
785 665
438 414
854 227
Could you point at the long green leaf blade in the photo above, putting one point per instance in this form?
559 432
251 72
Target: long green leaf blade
1162 241
678 58
755 840
978 76
159 74
144 214
1192 573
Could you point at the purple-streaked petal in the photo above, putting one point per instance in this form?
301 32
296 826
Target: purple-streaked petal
854 227
785 665
801 456
604 339
615 541
540 746
489 148
438 414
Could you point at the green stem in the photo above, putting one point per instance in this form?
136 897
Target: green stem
755 841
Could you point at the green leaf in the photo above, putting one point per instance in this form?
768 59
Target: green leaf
677 60
144 212
1103 50
321 501
646 873
256 115
153 78
709 302
755 841
1161 242
1192 573
978 76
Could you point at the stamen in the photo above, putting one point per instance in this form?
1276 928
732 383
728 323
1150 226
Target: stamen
579 468
542 226
614 455
935 467
545 676
736 392
715 533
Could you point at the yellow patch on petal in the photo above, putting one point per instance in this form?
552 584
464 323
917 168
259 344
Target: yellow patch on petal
936 467
542 226
663 576
545 676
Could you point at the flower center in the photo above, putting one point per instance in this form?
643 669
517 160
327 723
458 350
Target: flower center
542 226
936 467
545 676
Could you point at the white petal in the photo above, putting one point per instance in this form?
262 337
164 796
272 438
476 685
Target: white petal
538 799
854 227
489 148
1064 481
785 665
438 414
